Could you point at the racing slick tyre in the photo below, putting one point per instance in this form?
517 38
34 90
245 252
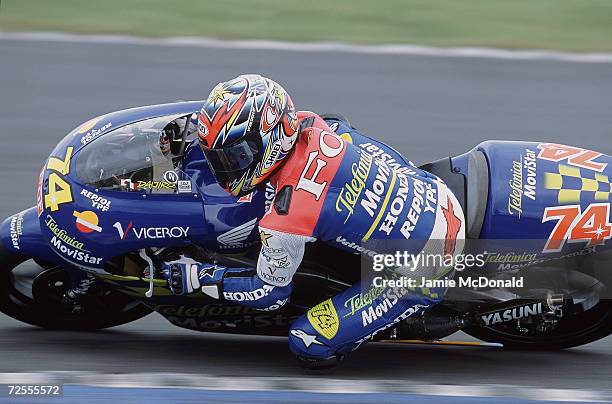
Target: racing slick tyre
31 291
586 327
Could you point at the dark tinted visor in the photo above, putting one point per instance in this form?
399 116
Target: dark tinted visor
230 162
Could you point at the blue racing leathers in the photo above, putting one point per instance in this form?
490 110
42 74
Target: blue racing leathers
359 195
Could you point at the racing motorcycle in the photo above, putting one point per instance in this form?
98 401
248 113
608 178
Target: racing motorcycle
127 190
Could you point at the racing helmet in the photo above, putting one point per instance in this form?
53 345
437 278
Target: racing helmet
246 128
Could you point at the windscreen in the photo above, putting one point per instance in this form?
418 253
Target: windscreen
134 157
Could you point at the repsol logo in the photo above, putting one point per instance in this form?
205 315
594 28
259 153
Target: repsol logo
424 197
512 314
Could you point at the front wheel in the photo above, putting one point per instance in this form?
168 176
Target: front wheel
31 292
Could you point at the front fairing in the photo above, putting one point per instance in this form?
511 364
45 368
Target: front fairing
86 223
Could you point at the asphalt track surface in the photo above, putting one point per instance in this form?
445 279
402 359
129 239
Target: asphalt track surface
427 107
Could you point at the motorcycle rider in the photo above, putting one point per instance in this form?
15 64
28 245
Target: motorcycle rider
347 191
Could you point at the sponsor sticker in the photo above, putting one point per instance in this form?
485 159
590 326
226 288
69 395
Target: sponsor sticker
92 134
269 273
264 238
381 155
523 182
184 186
272 156
97 202
73 253
237 236
128 184
409 312
144 185
362 300
151 233
234 322
249 295
350 193
396 207
574 156
269 194
39 193
515 313
219 316
307 339
374 303
355 246
87 221
62 234
324 319
155 185
330 146
171 176
573 225
209 271
16 229
424 201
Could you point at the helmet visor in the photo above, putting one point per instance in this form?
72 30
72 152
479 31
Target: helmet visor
231 162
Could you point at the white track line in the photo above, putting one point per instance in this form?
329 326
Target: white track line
202 42
303 384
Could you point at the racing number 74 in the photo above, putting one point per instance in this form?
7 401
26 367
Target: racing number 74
59 190
592 226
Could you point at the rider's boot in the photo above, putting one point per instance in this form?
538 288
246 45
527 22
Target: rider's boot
320 363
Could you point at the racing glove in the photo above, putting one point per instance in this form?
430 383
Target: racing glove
240 285
186 276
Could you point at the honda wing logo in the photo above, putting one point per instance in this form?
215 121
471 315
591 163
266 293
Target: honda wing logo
237 235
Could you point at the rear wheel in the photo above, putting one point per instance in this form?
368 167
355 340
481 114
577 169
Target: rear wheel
585 317
31 291
587 327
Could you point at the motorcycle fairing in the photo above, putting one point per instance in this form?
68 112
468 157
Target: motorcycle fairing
85 234
557 197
